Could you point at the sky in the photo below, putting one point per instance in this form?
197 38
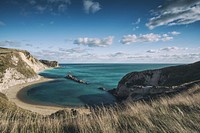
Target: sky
103 31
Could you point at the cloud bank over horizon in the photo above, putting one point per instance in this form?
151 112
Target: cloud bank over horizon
163 55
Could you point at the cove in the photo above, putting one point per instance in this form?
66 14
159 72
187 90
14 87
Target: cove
67 93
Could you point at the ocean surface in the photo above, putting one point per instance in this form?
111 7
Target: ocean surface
65 92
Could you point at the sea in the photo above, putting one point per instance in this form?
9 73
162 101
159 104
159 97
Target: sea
67 93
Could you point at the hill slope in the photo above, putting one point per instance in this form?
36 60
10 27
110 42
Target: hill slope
179 114
157 81
18 66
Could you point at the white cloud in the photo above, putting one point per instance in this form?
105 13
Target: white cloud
174 33
137 22
32 2
51 22
152 51
56 1
9 43
170 49
188 57
176 12
167 49
151 37
62 7
50 6
73 50
29 45
90 6
2 23
41 9
64 55
81 55
95 42
119 55
135 28
140 57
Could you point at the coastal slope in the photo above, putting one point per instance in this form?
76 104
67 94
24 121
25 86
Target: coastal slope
178 114
17 67
159 81
50 63
167 114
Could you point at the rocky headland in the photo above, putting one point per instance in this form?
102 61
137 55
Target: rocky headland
50 63
153 83
18 67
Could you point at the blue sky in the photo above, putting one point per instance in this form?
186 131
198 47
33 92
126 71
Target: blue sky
111 31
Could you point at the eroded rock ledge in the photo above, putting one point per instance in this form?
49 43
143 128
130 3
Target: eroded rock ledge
151 83
49 63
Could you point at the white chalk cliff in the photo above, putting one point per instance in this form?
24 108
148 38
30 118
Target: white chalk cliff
17 67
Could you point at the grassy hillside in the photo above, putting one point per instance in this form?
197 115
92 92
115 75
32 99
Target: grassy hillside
181 74
6 61
169 76
178 114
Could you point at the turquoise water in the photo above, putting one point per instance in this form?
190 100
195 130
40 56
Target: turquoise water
64 92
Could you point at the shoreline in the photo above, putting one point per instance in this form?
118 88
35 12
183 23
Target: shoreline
13 94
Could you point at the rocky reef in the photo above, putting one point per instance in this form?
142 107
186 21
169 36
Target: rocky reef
102 88
150 83
71 77
49 63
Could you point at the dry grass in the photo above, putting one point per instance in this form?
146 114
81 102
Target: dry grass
179 114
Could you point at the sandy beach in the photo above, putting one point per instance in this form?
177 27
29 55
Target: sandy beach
12 94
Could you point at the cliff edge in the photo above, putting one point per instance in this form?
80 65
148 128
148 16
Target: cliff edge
139 85
17 67
50 63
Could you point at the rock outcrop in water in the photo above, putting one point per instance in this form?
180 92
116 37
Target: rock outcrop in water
102 88
146 84
50 63
17 67
71 77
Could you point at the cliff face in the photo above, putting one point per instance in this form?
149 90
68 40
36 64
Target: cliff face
18 66
49 63
138 84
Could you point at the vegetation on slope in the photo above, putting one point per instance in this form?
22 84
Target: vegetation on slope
169 76
49 63
6 61
179 113
181 74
